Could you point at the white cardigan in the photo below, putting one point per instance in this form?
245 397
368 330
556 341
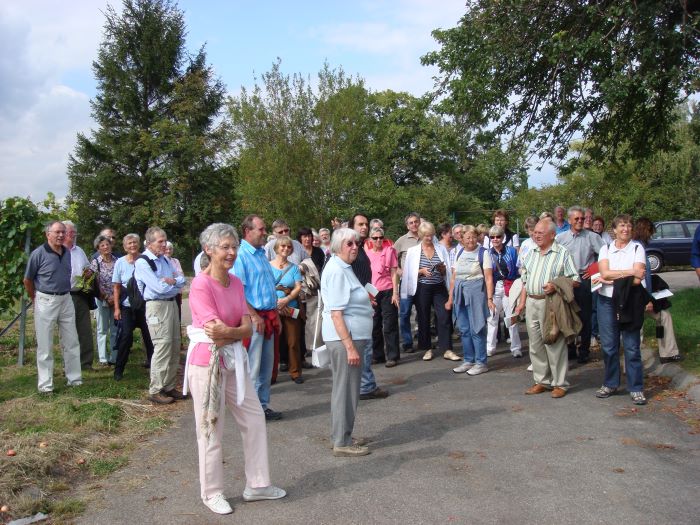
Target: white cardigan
409 277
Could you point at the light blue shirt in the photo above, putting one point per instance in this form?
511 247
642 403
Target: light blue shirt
152 285
341 290
123 270
255 272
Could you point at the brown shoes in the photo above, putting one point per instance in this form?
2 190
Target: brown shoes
535 389
161 399
558 392
177 396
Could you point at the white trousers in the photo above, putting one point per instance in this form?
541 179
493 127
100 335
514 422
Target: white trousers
251 422
50 310
500 301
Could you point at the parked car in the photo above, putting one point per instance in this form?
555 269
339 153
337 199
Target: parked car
671 243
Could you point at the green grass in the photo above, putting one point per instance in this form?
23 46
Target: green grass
70 437
685 311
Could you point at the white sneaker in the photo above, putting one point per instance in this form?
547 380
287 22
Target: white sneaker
517 353
529 368
508 341
217 503
489 353
477 369
271 492
462 368
428 355
451 356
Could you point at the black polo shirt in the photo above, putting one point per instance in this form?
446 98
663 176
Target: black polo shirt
49 270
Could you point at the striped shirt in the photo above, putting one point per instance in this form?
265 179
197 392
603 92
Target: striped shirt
255 272
435 276
540 268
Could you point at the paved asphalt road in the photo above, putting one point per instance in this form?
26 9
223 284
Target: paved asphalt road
677 280
446 448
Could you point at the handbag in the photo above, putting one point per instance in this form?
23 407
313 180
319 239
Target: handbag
320 357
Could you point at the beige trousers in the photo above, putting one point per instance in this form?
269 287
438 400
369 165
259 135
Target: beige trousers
667 345
164 326
251 422
549 362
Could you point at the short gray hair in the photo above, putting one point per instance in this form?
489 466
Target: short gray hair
573 209
130 236
496 231
340 236
376 223
377 230
552 227
212 235
458 225
71 225
99 239
152 232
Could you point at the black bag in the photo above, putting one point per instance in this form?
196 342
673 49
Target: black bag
136 300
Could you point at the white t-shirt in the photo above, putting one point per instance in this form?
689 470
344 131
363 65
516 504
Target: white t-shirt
621 259
467 264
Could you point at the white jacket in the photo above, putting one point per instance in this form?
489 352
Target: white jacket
409 277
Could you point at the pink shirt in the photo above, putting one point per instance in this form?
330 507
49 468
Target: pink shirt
210 300
382 262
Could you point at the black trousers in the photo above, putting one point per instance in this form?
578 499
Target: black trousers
385 328
132 319
584 299
434 295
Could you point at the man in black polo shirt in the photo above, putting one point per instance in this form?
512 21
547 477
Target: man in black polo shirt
47 281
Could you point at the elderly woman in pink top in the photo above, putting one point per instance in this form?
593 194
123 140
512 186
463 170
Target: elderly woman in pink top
385 329
217 374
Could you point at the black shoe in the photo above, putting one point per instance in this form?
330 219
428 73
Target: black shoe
299 380
174 394
306 364
284 367
582 360
390 363
672 359
271 415
408 349
118 376
377 393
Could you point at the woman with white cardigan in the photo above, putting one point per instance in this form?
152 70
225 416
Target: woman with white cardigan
426 272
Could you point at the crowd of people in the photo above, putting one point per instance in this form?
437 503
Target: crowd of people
260 305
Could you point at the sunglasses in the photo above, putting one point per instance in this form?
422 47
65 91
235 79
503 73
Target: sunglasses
350 244
377 238
494 237
578 219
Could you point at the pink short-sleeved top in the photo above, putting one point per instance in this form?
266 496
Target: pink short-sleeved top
210 300
382 262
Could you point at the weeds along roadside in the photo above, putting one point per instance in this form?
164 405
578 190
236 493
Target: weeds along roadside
72 437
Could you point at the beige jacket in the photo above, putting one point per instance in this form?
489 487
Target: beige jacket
561 312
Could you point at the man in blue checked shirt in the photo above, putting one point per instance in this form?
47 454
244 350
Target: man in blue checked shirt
159 289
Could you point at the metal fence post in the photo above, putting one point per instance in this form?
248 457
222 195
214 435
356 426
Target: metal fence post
23 306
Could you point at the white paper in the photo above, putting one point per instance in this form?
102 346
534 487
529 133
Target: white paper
371 289
598 285
661 294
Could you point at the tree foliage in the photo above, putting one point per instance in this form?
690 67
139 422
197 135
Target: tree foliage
154 158
308 155
548 72
662 186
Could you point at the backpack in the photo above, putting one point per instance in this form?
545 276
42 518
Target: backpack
136 300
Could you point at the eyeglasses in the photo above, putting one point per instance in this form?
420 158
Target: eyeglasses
377 238
578 219
350 244
494 237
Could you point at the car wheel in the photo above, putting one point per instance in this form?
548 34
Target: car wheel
656 262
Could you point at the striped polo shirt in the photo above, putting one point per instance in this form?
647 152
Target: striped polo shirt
540 268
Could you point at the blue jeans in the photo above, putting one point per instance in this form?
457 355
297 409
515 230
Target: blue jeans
261 356
367 382
594 315
106 332
473 343
610 341
405 306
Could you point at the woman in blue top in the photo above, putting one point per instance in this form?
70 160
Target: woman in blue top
288 286
347 326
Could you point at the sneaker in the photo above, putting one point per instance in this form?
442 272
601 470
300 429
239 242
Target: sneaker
462 368
361 441
390 363
350 451
218 504
478 369
271 492
271 415
517 354
451 356
508 341
638 398
428 355
489 352
160 399
529 368
605 391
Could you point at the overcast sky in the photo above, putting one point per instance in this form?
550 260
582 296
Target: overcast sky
48 48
